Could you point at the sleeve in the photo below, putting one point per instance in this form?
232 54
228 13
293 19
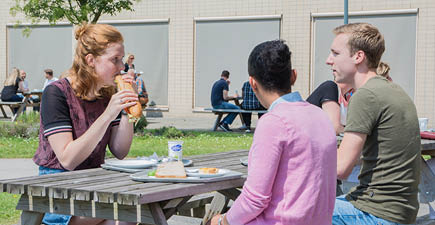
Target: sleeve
55 111
226 88
265 152
327 91
362 112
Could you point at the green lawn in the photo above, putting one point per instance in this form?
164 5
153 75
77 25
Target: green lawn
194 143
8 213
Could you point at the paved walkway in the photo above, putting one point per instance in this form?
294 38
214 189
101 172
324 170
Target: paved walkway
13 168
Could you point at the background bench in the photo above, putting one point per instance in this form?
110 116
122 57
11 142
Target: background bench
221 112
12 105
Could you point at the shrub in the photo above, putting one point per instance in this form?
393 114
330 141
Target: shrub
167 132
140 125
26 125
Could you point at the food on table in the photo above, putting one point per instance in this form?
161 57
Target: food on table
134 112
208 170
152 173
171 170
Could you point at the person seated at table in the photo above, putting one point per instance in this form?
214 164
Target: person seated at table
292 161
381 129
49 78
219 100
250 102
141 89
76 109
12 85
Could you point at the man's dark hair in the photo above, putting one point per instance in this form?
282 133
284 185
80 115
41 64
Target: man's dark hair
269 63
225 73
49 72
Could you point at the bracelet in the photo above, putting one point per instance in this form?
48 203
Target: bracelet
123 112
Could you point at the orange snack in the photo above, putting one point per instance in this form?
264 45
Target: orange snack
208 170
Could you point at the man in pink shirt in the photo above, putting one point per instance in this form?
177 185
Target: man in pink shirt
293 159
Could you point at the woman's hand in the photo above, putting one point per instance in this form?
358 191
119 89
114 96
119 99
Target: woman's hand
129 78
119 101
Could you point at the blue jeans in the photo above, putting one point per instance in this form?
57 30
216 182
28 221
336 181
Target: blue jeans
346 213
231 116
49 218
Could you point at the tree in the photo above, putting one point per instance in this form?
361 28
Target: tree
75 11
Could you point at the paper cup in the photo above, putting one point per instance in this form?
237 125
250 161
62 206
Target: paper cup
423 123
175 150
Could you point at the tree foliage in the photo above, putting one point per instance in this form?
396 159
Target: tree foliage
75 11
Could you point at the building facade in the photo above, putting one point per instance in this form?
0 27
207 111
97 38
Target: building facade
182 46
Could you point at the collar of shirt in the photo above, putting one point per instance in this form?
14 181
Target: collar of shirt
290 97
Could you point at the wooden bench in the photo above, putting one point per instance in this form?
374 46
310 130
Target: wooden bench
221 112
12 105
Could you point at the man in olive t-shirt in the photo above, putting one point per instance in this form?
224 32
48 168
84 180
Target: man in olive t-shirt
381 127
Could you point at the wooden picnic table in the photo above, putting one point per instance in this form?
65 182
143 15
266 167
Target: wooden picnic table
20 105
113 195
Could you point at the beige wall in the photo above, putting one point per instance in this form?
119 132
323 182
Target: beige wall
296 30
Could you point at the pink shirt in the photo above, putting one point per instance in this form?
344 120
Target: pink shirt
292 169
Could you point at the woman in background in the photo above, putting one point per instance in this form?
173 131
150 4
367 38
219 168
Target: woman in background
129 62
12 85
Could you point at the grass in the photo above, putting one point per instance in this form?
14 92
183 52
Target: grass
143 145
8 213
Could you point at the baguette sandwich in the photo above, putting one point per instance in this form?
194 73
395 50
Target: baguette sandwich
134 112
171 170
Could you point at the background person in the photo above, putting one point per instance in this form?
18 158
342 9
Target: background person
129 62
382 130
141 89
12 85
49 78
291 175
250 102
219 98
76 109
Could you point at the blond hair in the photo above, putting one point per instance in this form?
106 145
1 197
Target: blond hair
128 57
364 37
91 39
12 78
383 69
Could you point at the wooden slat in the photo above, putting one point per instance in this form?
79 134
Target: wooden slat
84 208
19 185
31 218
159 216
62 189
113 194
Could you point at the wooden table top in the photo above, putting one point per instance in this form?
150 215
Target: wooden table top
106 186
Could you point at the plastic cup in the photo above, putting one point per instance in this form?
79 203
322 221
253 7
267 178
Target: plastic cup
422 122
175 150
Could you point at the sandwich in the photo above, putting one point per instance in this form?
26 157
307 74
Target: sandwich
208 170
134 112
171 170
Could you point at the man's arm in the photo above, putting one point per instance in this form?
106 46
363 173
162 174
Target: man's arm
349 152
226 97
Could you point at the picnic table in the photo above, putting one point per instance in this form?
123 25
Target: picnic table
114 195
21 105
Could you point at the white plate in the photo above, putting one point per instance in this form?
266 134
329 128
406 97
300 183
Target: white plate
131 163
196 173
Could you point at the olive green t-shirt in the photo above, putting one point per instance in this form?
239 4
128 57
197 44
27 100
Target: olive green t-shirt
390 171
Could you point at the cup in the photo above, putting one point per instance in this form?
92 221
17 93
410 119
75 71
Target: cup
175 150
422 122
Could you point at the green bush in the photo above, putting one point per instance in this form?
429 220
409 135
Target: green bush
140 125
26 125
167 132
